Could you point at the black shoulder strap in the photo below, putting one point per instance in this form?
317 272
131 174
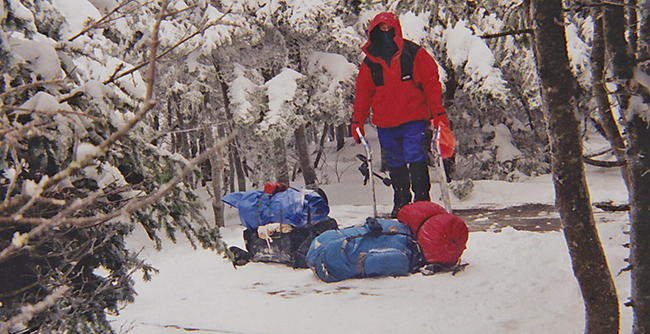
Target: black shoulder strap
409 51
376 71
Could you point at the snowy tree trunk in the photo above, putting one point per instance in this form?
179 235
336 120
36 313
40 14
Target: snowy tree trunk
302 146
217 205
280 161
572 195
633 20
607 120
638 155
234 150
308 173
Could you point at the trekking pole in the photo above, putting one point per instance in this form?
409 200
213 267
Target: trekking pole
372 179
440 169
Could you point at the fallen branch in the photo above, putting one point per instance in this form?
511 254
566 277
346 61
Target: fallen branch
605 164
598 153
508 33
192 329
608 206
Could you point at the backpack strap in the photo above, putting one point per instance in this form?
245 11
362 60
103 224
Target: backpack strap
376 72
409 51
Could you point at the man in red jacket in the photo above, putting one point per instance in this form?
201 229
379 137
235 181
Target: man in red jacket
398 80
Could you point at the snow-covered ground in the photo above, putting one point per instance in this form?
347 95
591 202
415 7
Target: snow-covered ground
516 281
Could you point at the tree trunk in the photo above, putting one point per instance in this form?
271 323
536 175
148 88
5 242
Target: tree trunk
639 166
341 131
294 61
308 173
239 167
321 144
638 155
619 50
280 162
572 195
607 120
217 205
233 146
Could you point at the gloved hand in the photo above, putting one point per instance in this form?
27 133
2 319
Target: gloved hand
357 125
374 228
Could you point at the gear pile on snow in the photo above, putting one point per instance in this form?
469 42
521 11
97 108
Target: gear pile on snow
425 238
442 236
289 226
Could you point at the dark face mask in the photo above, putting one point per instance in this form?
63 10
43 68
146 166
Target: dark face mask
383 44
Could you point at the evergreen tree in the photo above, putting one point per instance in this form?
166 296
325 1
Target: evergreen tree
79 170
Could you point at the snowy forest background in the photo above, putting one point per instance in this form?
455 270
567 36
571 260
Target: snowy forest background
102 129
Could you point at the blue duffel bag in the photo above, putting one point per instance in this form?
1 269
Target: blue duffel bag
378 248
292 206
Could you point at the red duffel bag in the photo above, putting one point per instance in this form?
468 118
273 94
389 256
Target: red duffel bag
415 214
442 236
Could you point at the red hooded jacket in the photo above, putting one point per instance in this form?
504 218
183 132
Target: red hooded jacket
397 101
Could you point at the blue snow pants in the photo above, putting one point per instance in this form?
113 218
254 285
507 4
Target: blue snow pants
404 144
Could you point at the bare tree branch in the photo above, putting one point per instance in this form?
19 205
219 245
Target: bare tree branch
30 311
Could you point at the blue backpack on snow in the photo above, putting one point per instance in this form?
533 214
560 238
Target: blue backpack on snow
293 207
378 248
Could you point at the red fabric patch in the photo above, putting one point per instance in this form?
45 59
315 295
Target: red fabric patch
274 188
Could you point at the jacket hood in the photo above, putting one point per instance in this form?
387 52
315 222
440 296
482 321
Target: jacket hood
390 19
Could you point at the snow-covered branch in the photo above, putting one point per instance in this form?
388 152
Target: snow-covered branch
205 26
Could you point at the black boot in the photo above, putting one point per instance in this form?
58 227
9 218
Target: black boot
420 182
399 177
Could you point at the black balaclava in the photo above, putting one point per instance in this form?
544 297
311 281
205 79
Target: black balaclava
382 44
